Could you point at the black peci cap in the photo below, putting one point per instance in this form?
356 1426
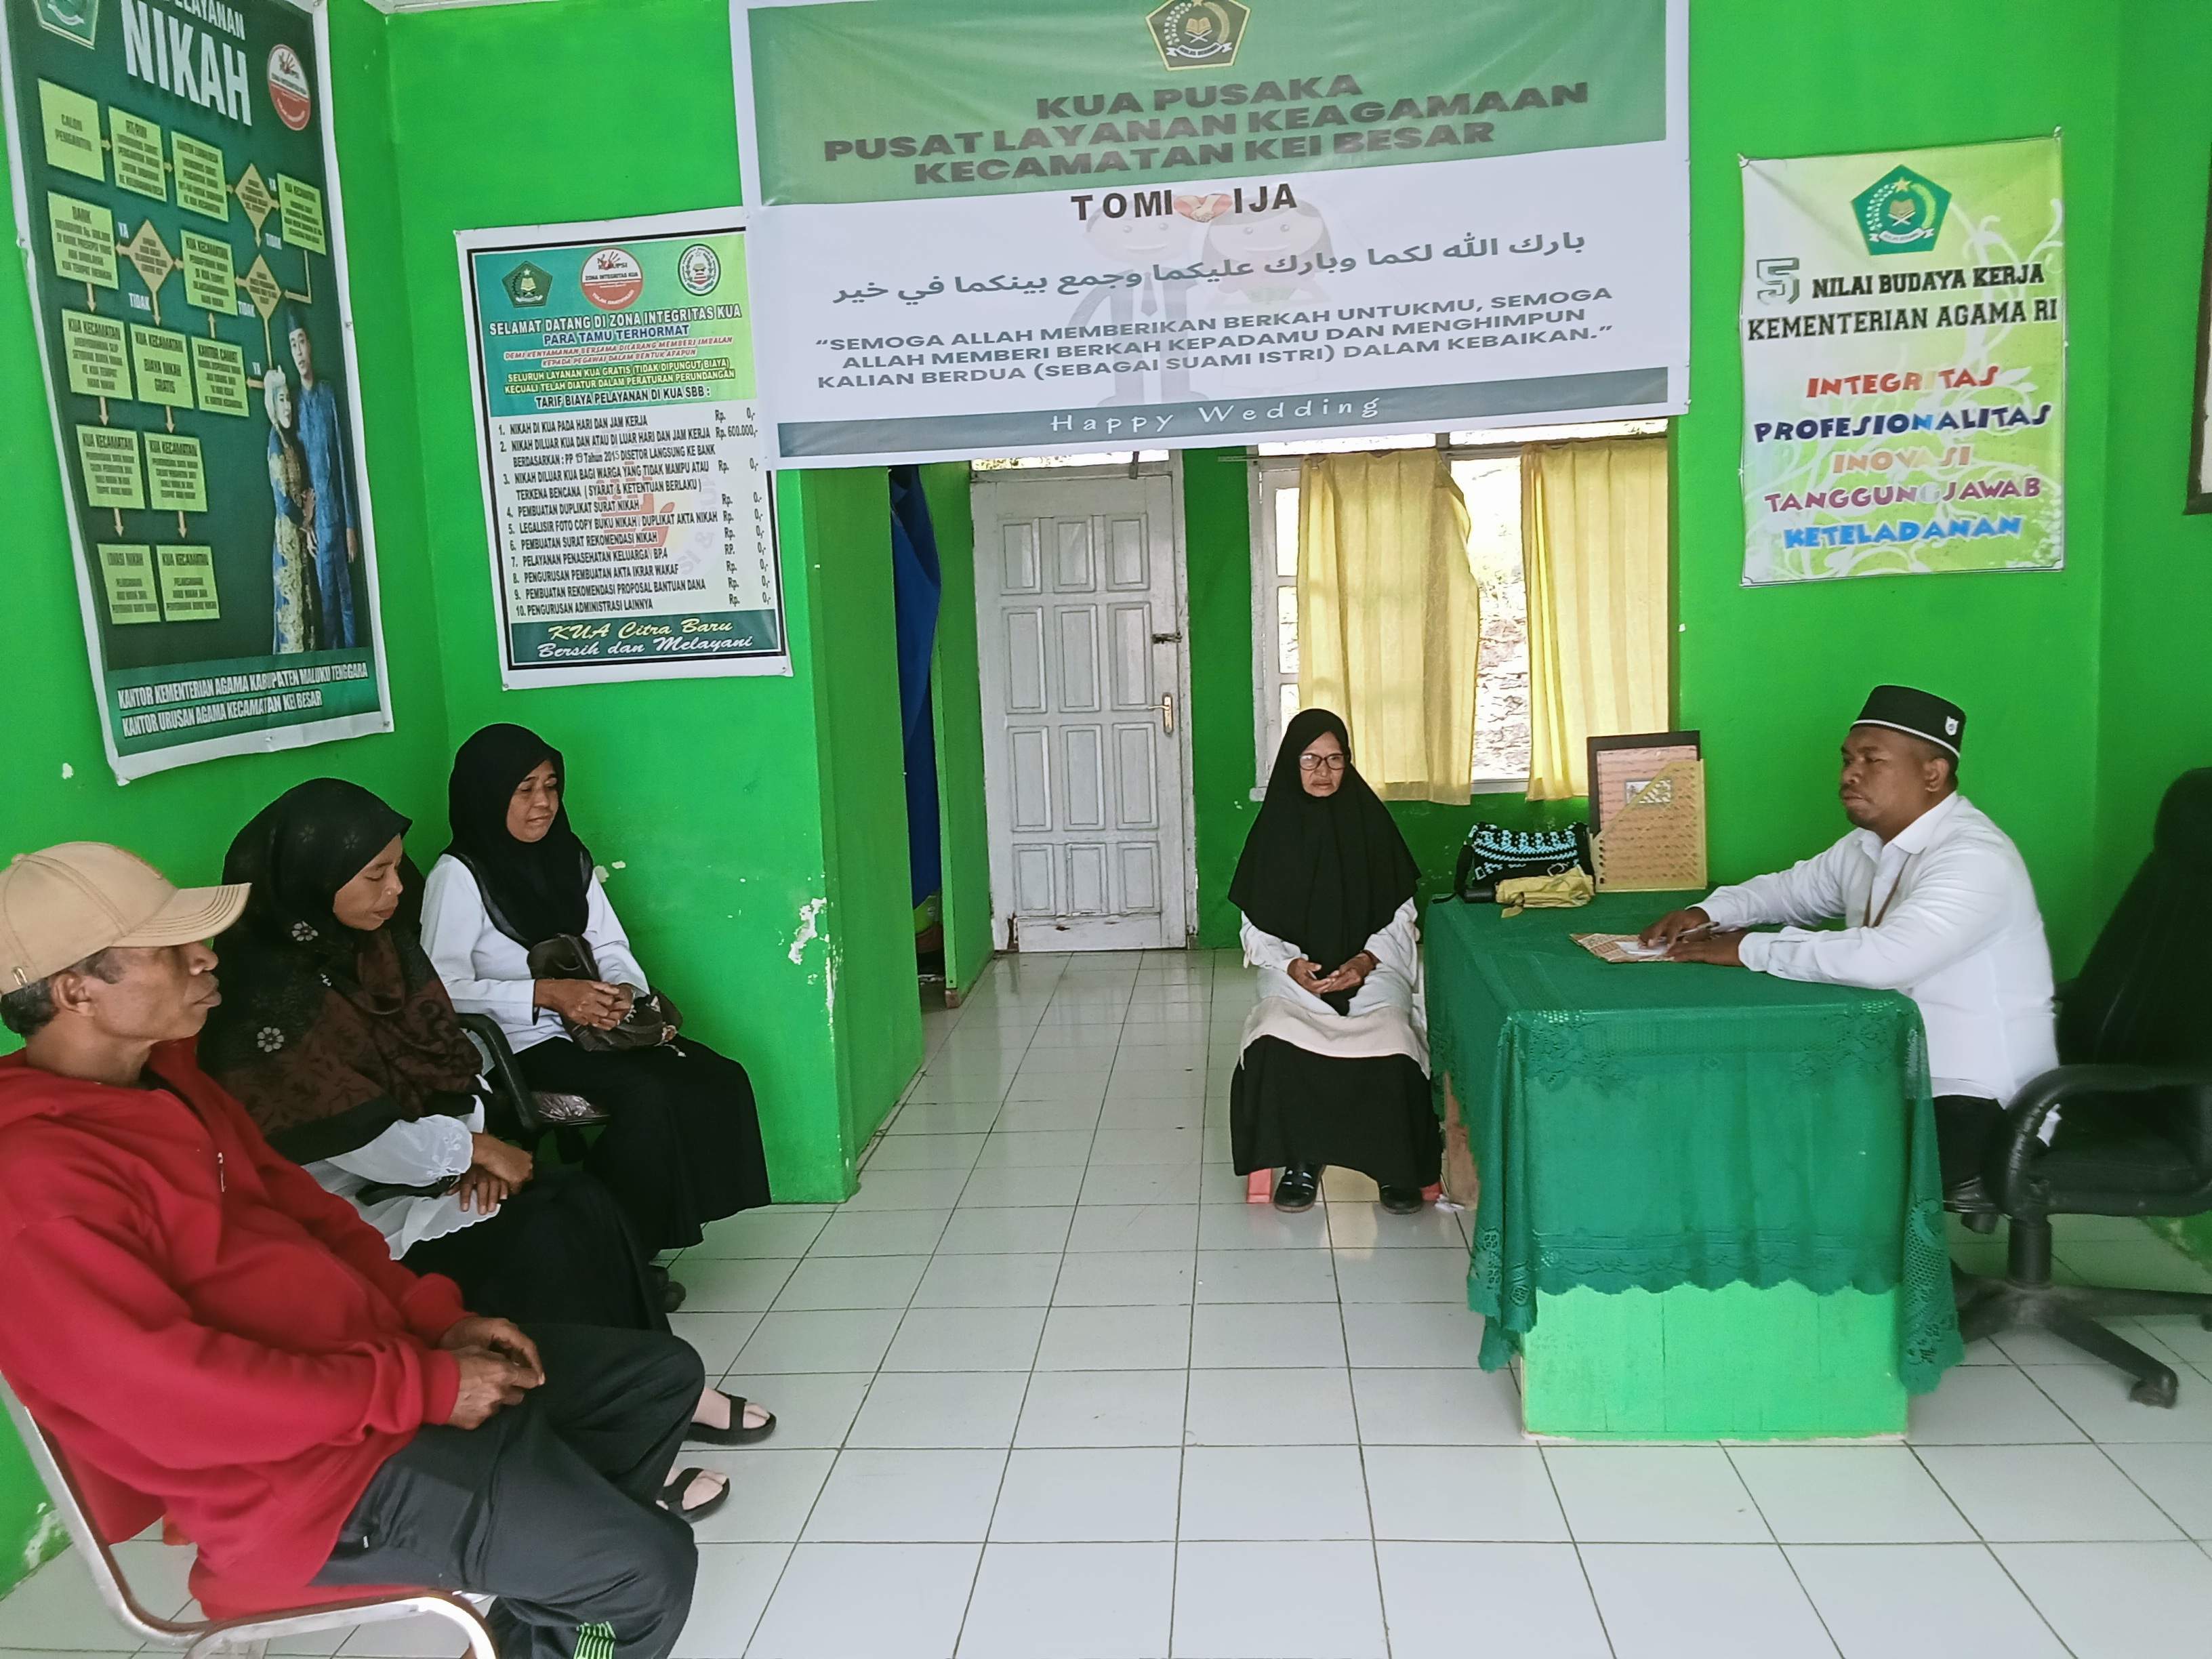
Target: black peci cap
1922 714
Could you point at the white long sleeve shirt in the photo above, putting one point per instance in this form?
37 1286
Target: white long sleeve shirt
1946 913
1395 982
486 972
418 1154
1386 1016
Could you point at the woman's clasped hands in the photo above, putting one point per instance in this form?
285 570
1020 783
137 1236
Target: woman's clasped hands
1306 975
587 1002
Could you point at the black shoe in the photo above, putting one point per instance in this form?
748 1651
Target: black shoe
1297 1186
1403 1201
1970 1197
672 1294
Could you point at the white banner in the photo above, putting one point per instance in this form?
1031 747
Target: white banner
1388 264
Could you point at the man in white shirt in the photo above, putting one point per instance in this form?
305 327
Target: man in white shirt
1935 903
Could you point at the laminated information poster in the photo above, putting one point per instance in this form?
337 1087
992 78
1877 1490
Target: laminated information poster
626 495
1905 363
1029 227
177 205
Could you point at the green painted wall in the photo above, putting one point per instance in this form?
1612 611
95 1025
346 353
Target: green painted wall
2157 704
843 533
957 702
1772 675
57 784
749 862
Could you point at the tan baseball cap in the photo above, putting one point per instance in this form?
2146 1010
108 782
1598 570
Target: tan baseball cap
61 905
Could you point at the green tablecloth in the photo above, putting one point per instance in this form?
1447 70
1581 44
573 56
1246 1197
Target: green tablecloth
1656 1124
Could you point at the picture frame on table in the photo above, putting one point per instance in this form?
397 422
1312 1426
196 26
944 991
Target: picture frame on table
2199 497
1620 766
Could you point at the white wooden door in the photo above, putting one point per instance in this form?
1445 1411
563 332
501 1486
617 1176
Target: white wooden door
1079 596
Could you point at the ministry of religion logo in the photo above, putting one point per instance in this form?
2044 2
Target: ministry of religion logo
73 19
1198 34
1902 214
526 285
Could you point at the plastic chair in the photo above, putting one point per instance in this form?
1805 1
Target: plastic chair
250 1635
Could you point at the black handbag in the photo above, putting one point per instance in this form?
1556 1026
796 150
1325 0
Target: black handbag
652 1019
1492 853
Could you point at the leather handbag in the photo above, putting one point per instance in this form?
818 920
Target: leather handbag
1492 853
652 1019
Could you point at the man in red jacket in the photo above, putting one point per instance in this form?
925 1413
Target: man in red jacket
197 1322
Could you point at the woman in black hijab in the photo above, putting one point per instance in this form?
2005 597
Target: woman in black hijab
1334 1069
681 1145
336 1034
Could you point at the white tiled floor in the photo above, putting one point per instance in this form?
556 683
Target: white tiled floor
1049 1390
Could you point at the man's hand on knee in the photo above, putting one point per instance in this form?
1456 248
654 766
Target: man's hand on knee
502 1336
489 1382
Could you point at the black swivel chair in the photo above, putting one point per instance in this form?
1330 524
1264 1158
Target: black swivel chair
2135 1036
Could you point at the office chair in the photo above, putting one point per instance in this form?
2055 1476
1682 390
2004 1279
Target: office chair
2134 1136
196 1637
516 1111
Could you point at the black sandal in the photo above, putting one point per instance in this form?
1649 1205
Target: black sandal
671 1495
703 1434
666 1289
1297 1187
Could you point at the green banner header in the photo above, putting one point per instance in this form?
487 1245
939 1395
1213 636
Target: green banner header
875 100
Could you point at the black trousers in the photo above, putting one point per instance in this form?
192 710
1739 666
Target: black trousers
1965 1128
681 1145
559 1252
550 1505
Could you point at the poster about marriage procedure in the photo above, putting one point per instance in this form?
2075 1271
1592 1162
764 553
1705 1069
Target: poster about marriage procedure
177 198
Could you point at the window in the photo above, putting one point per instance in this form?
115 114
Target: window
1486 467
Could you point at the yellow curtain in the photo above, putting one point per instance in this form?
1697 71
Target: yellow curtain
1594 545
1389 617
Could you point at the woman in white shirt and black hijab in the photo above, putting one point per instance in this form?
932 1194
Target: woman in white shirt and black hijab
336 1034
682 1143
1334 1067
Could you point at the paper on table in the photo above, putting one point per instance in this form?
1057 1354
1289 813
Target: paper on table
1620 947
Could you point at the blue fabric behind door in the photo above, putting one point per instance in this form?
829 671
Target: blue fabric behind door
918 586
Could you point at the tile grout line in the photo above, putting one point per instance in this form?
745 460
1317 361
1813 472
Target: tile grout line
1006 1461
1190 1358
845 1439
1789 1561
1582 1562
2033 1606
1957 1508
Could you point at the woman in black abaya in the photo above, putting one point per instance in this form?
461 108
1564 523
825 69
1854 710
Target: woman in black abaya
681 1145
1334 1065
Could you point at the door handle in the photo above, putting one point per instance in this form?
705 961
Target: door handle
1167 714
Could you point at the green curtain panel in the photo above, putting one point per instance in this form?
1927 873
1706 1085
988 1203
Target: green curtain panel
1651 1125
